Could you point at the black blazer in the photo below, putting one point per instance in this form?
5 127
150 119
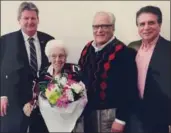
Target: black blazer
156 105
16 77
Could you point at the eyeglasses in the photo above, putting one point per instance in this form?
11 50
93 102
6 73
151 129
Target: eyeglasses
102 26
60 56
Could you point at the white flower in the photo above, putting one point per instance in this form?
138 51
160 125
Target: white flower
77 88
82 84
63 80
69 94
56 87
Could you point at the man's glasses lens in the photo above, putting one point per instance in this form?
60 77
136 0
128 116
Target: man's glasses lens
103 26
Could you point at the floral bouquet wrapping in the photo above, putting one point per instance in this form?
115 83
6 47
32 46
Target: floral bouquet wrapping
61 102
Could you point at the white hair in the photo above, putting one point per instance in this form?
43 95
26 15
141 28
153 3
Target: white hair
55 44
111 16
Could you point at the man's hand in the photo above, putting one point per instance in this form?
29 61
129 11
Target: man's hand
4 104
169 128
117 127
27 109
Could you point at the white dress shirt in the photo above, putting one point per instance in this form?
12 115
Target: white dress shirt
37 46
99 48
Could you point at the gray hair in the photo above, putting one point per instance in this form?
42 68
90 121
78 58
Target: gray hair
109 14
27 6
55 44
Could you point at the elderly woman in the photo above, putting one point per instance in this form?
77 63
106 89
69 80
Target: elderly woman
56 53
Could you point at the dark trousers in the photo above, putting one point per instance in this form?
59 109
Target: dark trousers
14 121
135 125
37 124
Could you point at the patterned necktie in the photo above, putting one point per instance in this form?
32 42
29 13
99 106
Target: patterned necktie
33 57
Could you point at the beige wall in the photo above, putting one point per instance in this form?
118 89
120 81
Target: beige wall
71 20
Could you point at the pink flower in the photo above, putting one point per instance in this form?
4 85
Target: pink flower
59 103
70 82
65 88
51 86
62 102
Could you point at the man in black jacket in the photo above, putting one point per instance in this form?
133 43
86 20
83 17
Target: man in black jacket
154 63
22 56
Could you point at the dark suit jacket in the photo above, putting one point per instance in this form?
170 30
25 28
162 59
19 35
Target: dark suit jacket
155 107
16 77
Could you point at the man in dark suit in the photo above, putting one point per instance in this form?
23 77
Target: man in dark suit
22 56
153 113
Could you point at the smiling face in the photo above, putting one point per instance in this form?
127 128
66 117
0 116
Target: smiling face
57 58
102 29
29 22
148 26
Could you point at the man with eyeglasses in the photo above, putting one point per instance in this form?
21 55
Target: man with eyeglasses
109 73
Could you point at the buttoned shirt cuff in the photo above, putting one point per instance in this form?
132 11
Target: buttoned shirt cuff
120 122
4 97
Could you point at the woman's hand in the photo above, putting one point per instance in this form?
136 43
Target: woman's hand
27 109
117 127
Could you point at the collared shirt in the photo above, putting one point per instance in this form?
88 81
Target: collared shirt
142 60
102 46
50 70
37 46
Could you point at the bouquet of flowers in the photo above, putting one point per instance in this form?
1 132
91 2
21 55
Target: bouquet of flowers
61 102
